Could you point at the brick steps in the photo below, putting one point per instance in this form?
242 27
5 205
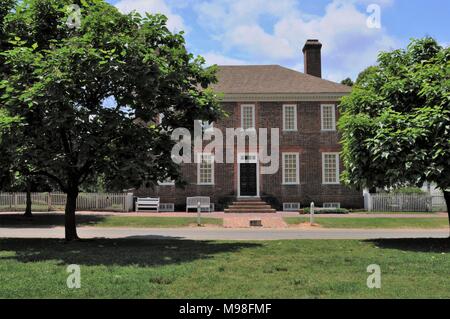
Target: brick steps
250 211
249 206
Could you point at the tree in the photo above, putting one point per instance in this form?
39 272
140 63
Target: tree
367 72
88 95
396 122
347 82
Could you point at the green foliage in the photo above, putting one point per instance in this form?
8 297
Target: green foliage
273 201
396 123
62 77
348 82
364 74
408 190
307 210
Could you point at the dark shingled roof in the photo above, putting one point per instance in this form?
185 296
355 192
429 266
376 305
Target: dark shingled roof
271 79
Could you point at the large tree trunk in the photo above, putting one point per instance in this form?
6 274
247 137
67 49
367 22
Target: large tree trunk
28 212
70 220
447 201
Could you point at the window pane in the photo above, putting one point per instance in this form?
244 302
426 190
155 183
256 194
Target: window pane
290 117
328 117
206 169
248 117
330 168
290 168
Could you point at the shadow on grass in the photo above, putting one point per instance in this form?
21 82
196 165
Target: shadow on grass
121 252
46 220
429 245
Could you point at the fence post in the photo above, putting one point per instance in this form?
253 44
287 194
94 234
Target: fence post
199 216
311 216
15 201
49 201
129 202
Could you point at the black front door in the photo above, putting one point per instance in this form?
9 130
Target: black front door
248 179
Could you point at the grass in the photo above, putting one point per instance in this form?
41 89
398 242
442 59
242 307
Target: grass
149 222
349 222
55 220
36 268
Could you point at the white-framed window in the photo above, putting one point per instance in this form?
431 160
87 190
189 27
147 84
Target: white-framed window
330 168
291 169
205 169
291 207
248 117
328 117
332 205
289 117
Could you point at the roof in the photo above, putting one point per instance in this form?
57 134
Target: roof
263 79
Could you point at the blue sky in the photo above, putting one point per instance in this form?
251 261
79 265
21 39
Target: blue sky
274 31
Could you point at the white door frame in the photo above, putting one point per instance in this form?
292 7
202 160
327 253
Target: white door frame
242 160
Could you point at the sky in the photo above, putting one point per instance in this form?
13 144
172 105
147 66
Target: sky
353 32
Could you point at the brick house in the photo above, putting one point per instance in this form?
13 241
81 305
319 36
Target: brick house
304 107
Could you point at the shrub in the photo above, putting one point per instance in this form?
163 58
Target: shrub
272 201
408 190
319 210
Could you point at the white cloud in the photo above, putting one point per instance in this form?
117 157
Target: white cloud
175 22
254 40
219 59
242 27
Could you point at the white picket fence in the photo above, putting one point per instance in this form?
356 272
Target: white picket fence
404 203
112 202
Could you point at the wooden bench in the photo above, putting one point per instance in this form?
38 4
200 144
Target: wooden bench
192 203
147 204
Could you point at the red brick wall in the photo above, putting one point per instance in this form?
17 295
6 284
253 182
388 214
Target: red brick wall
309 141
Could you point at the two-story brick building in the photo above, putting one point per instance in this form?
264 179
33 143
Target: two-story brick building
304 108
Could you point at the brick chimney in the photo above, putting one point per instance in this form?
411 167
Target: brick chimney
313 58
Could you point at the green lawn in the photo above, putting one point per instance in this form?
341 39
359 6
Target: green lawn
143 222
36 268
53 220
349 222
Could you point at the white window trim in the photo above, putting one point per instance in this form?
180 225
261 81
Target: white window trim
199 162
322 107
286 209
297 182
163 207
285 106
253 117
338 173
331 204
